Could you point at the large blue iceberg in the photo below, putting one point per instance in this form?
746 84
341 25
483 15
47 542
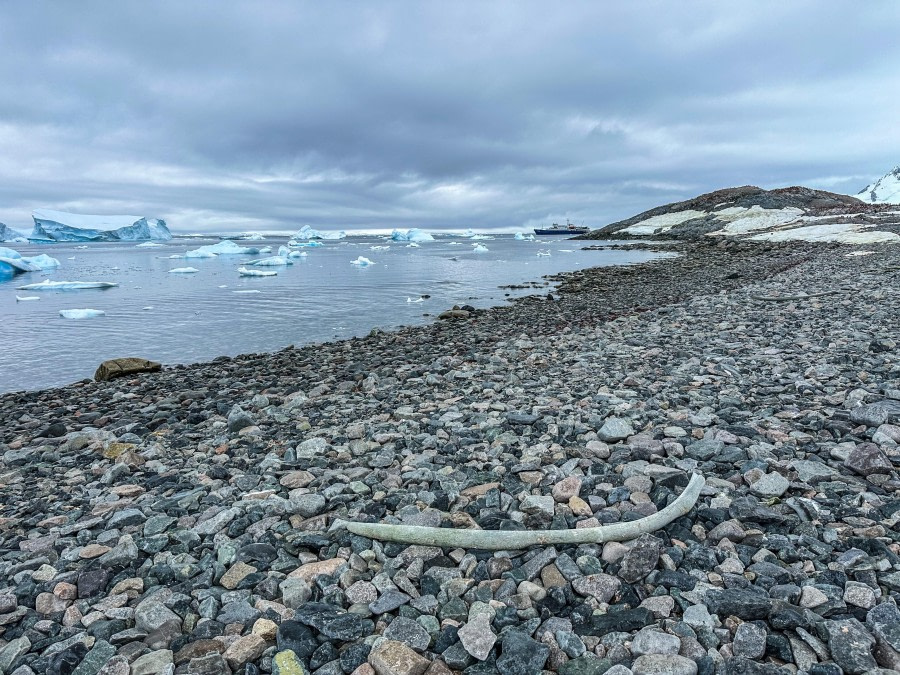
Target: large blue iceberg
306 232
12 262
413 235
60 226
9 234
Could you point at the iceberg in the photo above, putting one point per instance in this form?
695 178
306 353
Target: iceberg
361 262
226 247
521 236
480 248
60 226
47 285
184 270
12 263
252 236
9 234
414 234
244 272
274 261
81 313
306 232
42 262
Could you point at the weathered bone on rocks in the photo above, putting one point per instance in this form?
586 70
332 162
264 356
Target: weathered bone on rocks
493 540
788 298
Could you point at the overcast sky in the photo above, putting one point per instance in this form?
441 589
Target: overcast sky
270 115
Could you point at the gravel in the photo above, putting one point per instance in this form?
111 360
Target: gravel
179 522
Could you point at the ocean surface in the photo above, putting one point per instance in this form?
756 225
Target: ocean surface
184 318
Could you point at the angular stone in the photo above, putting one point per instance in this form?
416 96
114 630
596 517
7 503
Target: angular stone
409 632
876 414
12 650
235 574
150 615
153 663
867 458
287 663
750 641
95 659
650 641
851 646
521 655
310 571
663 664
244 649
770 485
640 559
615 429
477 637
395 658
601 587
113 368
296 479
567 488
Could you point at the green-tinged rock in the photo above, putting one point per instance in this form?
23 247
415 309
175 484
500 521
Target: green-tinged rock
287 663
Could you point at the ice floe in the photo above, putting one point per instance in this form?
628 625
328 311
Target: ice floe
305 244
148 244
81 313
47 285
184 270
226 247
244 272
27 298
274 261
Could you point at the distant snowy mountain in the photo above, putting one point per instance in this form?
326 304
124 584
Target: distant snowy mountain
885 190
59 226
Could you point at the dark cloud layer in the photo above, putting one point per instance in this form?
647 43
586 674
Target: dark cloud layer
269 115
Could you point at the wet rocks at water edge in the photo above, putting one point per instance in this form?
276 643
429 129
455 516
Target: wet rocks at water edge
181 522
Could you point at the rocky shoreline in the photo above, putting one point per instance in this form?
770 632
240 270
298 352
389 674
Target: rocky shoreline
181 521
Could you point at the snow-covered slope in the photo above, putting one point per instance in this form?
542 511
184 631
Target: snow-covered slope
59 226
885 190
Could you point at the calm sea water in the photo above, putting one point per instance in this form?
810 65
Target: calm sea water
176 318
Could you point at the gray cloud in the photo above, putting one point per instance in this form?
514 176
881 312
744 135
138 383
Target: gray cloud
269 115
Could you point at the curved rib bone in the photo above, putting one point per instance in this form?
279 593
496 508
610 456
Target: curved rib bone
494 540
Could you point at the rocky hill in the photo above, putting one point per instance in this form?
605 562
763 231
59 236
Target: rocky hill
793 213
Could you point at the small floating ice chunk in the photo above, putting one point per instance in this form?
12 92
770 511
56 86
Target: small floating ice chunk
244 272
420 299
248 290
544 254
480 248
27 298
379 248
81 247
81 313
274 261
184 270
298 254
47 285
147 308
412 244
521 236
305 244
361 262
148 244
858 253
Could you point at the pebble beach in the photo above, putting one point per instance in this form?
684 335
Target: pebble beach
182 521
